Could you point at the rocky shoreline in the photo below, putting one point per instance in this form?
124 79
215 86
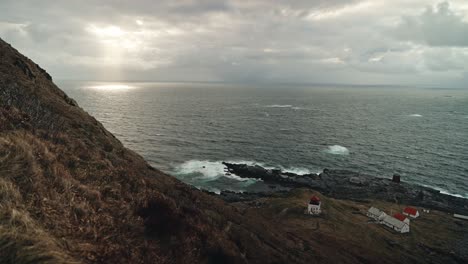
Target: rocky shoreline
344 184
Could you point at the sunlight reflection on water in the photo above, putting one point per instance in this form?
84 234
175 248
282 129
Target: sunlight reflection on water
112 87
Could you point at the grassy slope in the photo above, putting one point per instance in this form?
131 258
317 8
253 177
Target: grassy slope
435 237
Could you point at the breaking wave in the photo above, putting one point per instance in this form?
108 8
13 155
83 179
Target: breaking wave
206 170
445 191
415 115
337 150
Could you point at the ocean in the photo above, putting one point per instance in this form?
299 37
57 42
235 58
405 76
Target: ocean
188 129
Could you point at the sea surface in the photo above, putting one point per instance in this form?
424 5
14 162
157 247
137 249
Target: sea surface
188 129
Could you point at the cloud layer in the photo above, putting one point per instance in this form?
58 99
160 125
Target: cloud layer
418 42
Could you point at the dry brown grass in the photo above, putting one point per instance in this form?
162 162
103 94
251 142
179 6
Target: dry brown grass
21 239
353 235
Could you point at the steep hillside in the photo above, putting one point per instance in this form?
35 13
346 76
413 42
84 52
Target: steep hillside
70 192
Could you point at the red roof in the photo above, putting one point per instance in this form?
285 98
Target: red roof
399 217
315 199
410 210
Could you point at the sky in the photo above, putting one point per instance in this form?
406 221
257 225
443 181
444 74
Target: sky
394 42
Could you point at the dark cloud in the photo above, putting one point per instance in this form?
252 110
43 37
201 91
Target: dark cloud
437 26
258 41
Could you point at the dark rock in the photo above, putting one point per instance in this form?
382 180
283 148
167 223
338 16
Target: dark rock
396 178
344 184
25 68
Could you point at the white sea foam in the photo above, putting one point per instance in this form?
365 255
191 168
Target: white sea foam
337 150
279 106
445 191
297 108
415 115
285 106
298 171
452 194
208 170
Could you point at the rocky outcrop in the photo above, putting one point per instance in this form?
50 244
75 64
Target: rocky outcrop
351 185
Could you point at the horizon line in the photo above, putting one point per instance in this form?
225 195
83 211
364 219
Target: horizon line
268 83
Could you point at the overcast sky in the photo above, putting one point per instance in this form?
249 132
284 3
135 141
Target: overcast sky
403 42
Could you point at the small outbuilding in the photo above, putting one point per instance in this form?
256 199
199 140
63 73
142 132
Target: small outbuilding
411 212
376 214
314 206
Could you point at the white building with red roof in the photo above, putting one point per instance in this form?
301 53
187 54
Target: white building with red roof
402 218
314 206
411 212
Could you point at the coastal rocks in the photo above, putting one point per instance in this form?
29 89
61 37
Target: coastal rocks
358 181
232 197
344 184
274 176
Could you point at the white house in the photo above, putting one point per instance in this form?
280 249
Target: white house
396 224
376 214
314 206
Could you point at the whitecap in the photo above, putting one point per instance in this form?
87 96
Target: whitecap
337 150
415 115
279 106
298 108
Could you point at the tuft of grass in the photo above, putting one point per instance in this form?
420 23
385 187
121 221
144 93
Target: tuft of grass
22 241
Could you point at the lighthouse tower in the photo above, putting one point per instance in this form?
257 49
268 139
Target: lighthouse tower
314 206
